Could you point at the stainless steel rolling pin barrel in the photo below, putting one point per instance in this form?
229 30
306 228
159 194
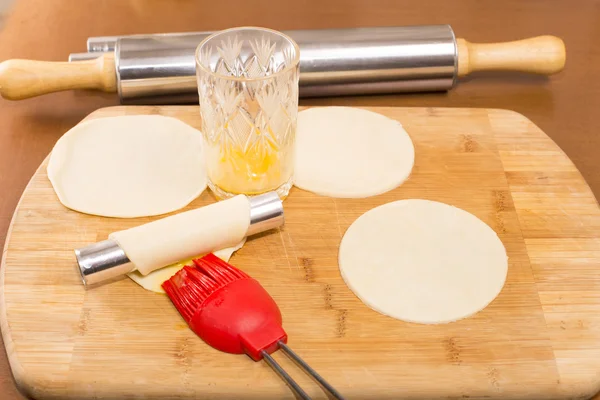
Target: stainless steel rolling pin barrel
333 62
160 68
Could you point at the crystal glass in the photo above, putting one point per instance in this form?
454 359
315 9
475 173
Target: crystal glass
248 89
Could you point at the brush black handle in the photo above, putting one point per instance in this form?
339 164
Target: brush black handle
298 392
332 393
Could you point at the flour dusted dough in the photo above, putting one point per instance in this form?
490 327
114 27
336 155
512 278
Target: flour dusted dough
350 152
423 261
155 279
128 166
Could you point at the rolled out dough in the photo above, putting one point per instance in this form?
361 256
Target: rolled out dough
423 261
155 279
128 166
178 237
350 152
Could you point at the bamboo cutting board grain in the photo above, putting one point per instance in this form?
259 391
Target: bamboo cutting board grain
539 339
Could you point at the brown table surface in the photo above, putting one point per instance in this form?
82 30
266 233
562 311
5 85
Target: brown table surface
564 105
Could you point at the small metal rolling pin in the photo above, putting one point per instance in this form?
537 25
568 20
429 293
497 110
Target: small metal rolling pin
178 237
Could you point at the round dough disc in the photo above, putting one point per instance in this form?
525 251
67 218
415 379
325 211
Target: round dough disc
128 166
350 152
423 261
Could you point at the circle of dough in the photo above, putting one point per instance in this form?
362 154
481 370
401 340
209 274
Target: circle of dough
423 261
350 152
128 166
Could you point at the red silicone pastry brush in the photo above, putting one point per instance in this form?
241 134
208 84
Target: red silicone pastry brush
233 313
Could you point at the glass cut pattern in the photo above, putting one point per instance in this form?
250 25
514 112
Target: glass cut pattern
248 93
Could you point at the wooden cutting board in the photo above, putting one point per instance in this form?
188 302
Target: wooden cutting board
540 338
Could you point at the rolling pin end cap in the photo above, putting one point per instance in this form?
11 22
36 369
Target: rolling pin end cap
102 261
266 212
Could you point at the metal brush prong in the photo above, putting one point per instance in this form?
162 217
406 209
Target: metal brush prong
332 393
298 392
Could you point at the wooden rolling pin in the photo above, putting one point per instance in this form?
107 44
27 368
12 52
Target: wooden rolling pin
409 59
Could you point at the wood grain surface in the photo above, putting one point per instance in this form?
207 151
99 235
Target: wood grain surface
22 79
564 106
540 338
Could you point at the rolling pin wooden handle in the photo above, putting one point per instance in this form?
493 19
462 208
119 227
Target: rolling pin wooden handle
22 79
542 55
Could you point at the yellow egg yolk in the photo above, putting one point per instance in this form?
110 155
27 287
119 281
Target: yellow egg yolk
263 166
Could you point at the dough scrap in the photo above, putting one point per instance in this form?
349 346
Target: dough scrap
350 152
423 261
128 166
155 279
